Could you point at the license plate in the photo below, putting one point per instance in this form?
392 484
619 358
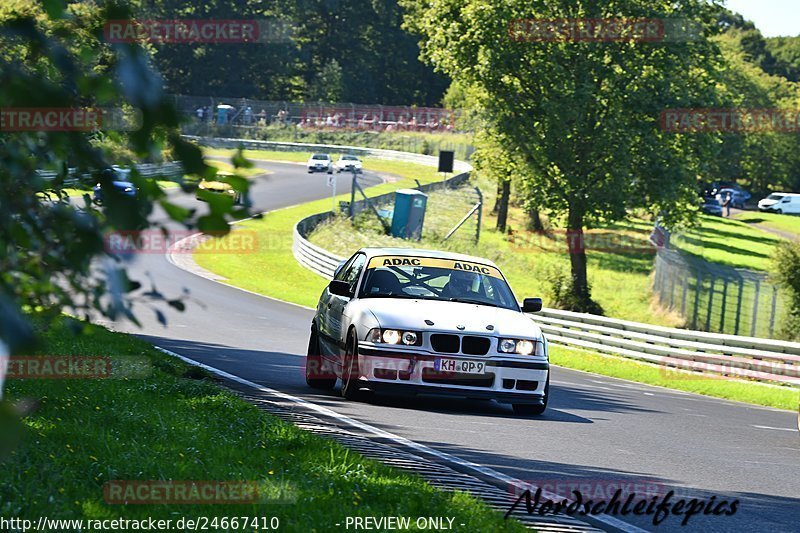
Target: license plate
459 366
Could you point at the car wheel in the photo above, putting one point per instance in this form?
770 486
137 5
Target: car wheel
779 211
528 409
316 377
350 372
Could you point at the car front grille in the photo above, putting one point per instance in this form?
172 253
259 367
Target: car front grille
444 343
467 344
475 345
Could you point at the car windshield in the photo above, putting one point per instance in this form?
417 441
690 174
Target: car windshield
436 279
319 156
349 158
775 196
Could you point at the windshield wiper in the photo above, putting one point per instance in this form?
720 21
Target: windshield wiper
470 301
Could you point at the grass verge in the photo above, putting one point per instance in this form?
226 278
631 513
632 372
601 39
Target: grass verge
784 223
177 424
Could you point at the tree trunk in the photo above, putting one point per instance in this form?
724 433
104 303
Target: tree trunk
577 258
498 197
502 208
534 220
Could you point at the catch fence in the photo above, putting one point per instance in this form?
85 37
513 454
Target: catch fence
718 298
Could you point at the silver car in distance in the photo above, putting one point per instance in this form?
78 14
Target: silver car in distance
413 321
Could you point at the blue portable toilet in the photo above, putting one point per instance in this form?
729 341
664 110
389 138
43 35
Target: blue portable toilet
223 110
409 213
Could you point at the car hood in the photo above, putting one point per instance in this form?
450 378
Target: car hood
766 202
411 314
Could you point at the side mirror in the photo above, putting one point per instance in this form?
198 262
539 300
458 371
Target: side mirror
339 288
531 305
339 267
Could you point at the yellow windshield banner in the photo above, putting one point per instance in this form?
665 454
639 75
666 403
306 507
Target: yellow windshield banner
452 264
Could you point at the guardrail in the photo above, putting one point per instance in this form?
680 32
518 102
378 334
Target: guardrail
172 169
685 352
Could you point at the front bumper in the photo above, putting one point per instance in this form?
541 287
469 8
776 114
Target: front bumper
505 380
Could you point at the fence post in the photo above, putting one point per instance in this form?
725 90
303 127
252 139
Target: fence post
710 302
724 306
683 298
755 309
738 306
698 281
772 312
480 210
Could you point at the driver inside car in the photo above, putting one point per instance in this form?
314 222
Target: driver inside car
461 285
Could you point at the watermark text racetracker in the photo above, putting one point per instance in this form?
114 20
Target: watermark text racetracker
155 241
76 367
735 120
186 31
86 119
608 30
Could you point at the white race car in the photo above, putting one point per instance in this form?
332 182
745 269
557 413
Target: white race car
349 162
427 322
320 163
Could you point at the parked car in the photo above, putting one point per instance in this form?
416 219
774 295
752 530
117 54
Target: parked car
426 322
320 163
738 196
714 188
213 187
120 181
348 162
780 202
711 206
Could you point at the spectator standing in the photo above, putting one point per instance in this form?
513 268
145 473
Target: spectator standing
727 204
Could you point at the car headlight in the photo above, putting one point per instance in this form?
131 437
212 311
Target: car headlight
391 336
524 347
521 346
394 336
507 345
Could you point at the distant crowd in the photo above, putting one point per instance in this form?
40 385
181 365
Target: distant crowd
225 114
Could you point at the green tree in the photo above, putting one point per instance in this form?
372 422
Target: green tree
584 116
52 254
329 84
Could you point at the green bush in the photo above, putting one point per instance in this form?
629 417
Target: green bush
786 271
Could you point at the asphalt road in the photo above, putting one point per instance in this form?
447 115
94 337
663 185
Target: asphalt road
598 431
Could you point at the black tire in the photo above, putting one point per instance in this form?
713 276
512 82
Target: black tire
527 409
316 378
350 388
779 211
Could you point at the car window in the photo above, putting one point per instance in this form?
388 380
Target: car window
320 157
342 271
436 279
353 270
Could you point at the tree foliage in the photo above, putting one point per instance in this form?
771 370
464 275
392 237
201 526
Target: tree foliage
378 59
53 257
584 116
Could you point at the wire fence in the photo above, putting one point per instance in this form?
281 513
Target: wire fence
422 130
249 112
718 298
453 211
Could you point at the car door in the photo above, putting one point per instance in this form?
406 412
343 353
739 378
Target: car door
324 323
337 304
